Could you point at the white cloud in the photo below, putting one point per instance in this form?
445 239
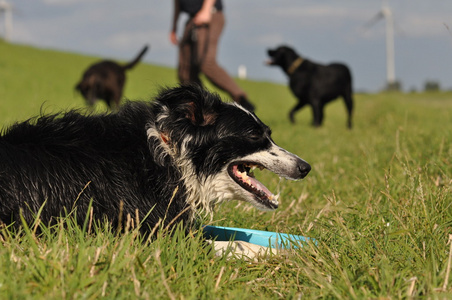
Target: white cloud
123 39
268 39
416 25
323 12
69 2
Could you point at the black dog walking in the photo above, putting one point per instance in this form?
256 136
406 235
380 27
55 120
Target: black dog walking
313 83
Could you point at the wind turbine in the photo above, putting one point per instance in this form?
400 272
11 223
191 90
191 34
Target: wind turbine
386 13
7 10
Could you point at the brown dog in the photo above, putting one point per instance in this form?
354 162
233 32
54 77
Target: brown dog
105 80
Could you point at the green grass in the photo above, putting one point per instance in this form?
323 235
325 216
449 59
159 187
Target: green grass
378 200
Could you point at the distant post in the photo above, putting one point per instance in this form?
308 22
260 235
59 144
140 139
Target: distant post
7 10
242 72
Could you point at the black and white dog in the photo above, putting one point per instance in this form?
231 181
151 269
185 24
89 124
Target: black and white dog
170 159
314 84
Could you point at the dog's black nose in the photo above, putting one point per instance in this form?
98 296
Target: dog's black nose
304 169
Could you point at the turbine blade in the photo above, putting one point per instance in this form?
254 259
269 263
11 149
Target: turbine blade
374 20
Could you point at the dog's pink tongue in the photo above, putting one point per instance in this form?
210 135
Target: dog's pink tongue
256 184
253 182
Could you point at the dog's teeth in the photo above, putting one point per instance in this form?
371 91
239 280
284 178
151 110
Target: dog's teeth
274 199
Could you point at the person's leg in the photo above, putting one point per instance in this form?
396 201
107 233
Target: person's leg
208 38
185 72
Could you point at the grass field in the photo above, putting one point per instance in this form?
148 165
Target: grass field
378 200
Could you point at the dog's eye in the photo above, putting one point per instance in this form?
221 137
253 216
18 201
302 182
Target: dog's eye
255 136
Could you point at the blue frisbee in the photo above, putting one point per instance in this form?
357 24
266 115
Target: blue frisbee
258 237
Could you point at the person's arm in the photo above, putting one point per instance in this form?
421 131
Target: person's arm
173 33
205 14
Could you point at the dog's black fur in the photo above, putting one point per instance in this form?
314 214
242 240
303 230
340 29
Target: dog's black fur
172 158
105 80
313 83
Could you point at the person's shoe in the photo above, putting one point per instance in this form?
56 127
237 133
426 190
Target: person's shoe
245 103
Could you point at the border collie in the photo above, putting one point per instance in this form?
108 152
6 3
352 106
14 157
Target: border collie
105 80
314 84
171 160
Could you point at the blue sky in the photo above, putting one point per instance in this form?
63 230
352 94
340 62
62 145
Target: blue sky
323 31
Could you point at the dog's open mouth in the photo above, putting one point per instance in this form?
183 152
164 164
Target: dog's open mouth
269 62
242 174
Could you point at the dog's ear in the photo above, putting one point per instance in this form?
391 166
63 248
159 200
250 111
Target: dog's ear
177 109
193 103
178 113
200 115
197 116
190 102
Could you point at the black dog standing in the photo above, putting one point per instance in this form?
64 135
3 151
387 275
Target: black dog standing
313 83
